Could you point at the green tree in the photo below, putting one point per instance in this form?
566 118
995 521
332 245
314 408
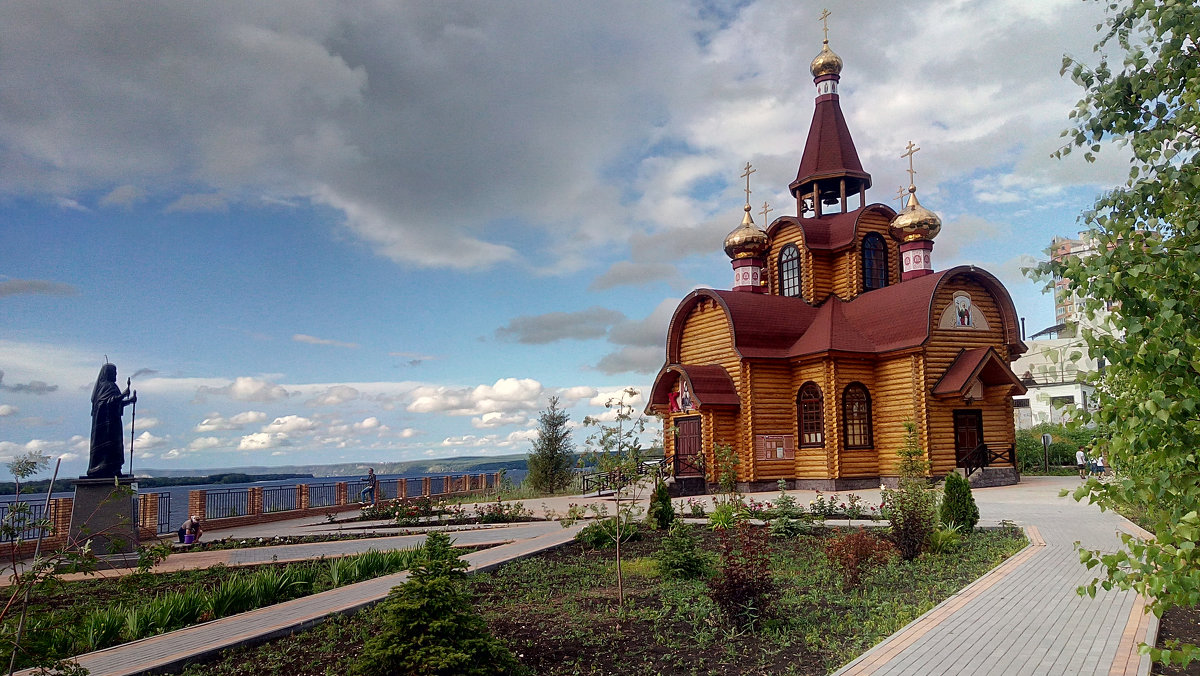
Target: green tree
431 626
552 459
958 505
616 450
911 507
1146 267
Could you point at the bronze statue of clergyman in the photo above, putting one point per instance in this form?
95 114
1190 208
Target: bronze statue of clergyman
108 404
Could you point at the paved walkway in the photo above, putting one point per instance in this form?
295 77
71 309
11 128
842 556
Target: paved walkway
1025 617
1022 618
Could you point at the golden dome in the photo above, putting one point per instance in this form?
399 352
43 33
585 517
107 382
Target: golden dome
915 221
826 63
746 240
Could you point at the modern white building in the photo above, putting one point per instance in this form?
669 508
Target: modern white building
1053 373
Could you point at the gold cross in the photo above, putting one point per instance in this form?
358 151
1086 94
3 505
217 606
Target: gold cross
746 175
912 149
765 210
825 22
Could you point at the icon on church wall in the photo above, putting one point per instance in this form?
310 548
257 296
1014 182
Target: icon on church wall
685 397
961 313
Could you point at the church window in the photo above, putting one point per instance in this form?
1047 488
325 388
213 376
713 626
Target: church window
789 271
874 261
812 416
856 412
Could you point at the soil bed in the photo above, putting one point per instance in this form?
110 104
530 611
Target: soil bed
1181 624
558 613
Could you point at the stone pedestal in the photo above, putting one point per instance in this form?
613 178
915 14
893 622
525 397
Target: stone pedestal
105 511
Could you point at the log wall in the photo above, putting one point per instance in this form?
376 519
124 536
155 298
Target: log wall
773 411
942 349
896 398
854 462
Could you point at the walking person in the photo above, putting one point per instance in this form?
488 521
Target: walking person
372 485
1081 462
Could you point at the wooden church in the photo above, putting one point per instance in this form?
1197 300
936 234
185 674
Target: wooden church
837 330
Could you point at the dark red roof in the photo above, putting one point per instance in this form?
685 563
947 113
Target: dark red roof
830 232
980 363
893 318
829 151
710 386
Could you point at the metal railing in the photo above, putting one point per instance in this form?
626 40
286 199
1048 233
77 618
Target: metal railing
164 512
322 495
25 519
602 481
223 503
279 498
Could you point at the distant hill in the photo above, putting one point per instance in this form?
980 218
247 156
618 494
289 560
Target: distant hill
476 465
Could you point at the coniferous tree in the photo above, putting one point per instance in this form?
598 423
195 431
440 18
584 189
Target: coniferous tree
552 459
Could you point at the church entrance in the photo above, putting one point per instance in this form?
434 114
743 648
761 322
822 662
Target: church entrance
968 433
687 447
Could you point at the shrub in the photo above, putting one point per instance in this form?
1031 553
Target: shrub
945 539
911 508
503 512
854 551
958 505
680 557
724 515
742 587
787 527
727 464
661 513
602 534
430 626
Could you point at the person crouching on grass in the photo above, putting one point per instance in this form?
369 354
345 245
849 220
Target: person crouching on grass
193 526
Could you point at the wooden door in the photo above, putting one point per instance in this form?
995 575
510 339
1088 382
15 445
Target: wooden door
968 433
688 442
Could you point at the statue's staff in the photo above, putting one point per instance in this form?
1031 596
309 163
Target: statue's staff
132 423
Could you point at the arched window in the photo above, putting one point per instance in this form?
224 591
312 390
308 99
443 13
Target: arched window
856 414
874 261
810 409
789 271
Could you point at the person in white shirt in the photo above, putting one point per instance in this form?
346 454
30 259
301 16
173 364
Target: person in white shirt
1081 462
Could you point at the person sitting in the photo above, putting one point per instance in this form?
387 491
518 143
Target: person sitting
193 526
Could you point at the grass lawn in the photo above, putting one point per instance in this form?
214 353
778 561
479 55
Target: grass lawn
558 613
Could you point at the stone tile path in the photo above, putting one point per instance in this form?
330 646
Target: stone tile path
1025 617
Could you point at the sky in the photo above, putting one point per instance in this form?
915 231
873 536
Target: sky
333 232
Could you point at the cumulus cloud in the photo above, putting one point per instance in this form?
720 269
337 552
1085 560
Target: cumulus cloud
7 410
643 342
408 433
259 441
632 359
572 395
289 424
215 422
148 441
617 395
204 443
338 394
245 388
16 287
32 387
593 322
313 340
498 419
124 196
143 423
506 395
